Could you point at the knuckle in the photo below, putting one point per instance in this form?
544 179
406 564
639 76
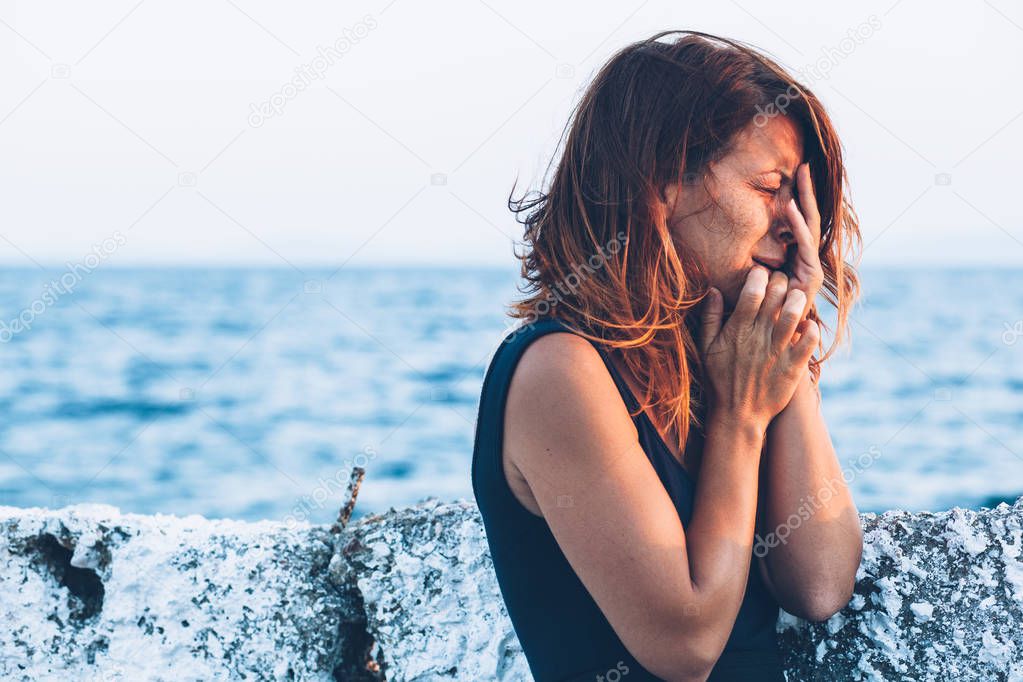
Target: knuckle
791 313
752 294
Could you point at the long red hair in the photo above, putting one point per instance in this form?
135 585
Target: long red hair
598 251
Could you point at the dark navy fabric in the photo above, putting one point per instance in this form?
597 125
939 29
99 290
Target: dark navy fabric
564 635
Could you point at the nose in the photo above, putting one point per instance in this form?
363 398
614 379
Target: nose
776 245
782 228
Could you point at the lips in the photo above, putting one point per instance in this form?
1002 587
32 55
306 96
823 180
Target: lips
770 264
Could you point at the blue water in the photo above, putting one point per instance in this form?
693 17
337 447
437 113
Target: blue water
250 393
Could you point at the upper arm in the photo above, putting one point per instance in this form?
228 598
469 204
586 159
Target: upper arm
570 435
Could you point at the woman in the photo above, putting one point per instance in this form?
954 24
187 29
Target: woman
696 212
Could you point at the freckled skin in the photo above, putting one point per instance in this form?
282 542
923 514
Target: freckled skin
746 221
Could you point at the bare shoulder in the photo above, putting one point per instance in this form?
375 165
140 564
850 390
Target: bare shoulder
561 383
568 356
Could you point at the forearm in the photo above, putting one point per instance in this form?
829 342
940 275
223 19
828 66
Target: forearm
719 537
812 534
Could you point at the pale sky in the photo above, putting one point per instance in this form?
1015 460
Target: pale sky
133 122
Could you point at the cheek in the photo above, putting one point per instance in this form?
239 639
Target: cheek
739 227
750 215
726 234
744 222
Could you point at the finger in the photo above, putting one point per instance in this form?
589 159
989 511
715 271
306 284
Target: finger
789 318
807 244
808 201
801 351
800 328
750 297
711 312
777 288
807 269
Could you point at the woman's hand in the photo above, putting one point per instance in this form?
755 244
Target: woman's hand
807 274
752 362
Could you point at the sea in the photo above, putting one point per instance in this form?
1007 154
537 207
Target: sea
251 393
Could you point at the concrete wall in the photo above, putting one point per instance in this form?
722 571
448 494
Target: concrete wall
89 593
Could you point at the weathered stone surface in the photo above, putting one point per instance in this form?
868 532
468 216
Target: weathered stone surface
431 597
89 593
939 596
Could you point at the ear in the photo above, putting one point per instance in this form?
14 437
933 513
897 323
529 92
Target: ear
669 195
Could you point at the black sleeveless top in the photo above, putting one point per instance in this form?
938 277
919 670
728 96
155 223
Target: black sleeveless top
563 633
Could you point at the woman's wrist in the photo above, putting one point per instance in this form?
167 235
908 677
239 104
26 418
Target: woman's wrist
747 427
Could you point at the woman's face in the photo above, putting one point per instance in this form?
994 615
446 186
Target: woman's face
736 217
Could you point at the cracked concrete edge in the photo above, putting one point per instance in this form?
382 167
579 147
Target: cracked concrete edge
411 595
93 593
937 594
